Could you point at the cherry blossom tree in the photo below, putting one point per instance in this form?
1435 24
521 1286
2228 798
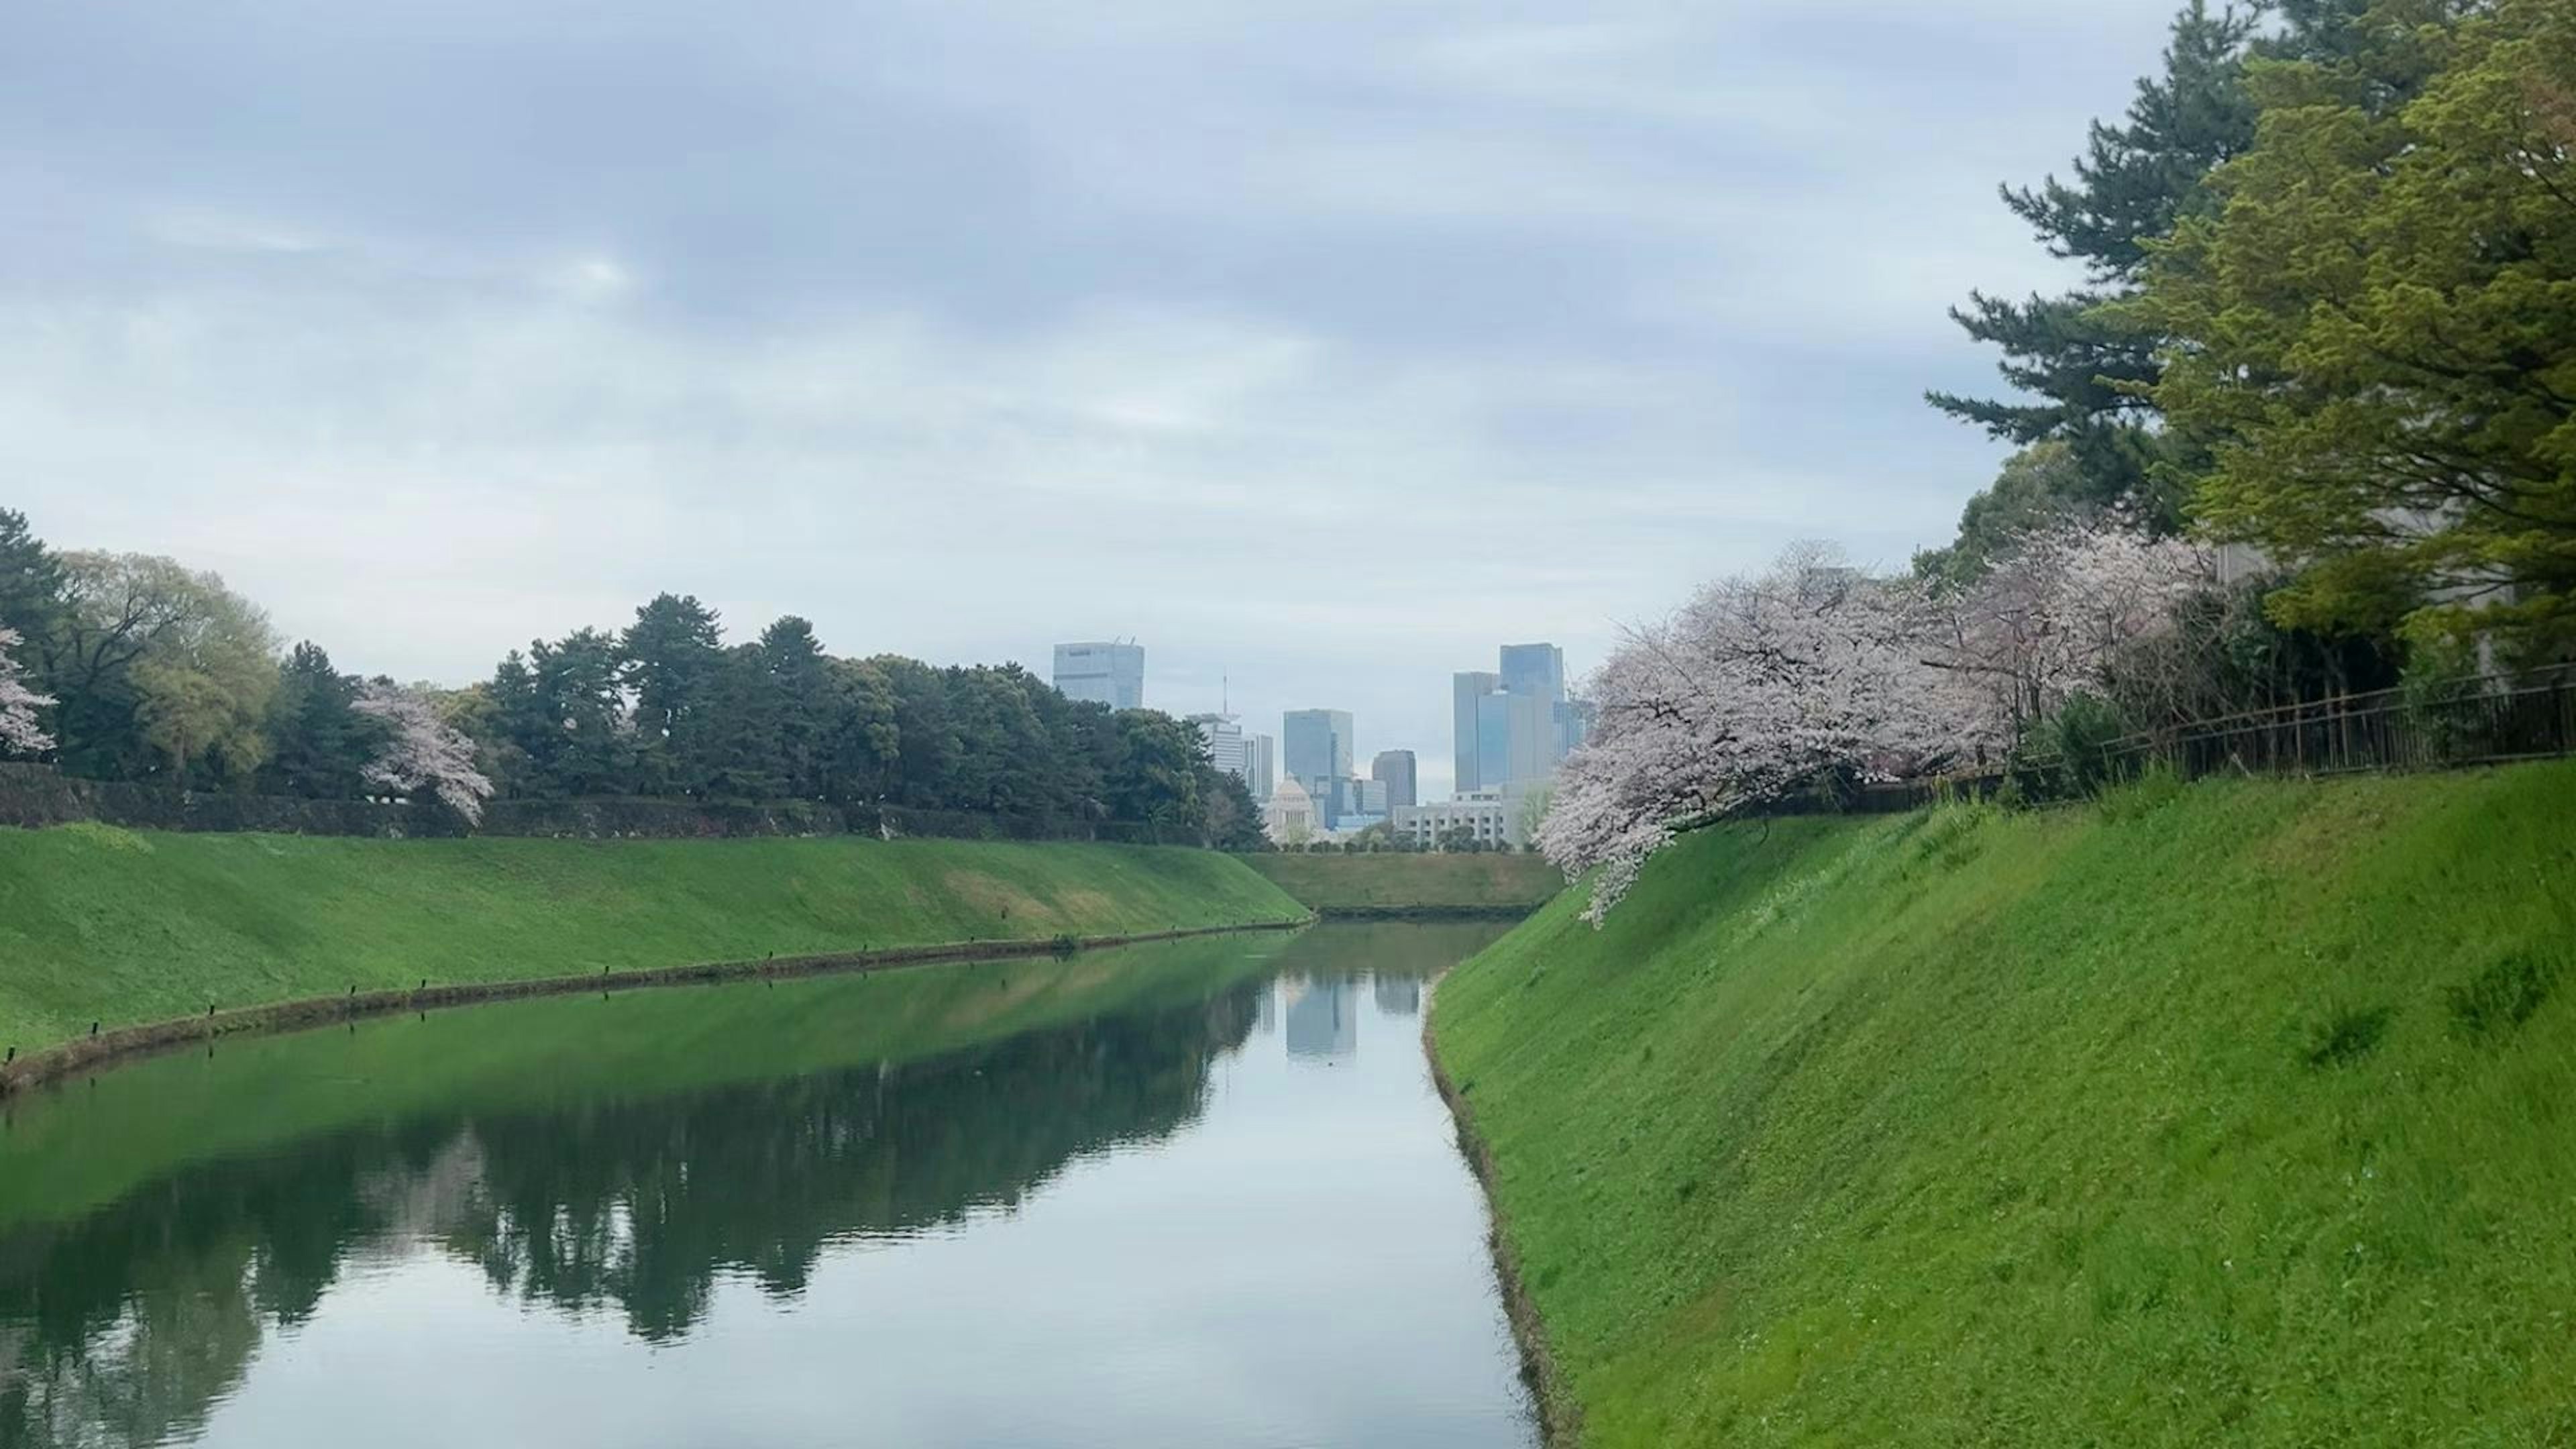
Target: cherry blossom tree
1817 672
421 751
2050 619
18 705
1758 687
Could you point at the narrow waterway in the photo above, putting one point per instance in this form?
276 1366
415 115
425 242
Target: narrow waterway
1192 1194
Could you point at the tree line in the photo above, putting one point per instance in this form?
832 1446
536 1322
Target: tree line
129 667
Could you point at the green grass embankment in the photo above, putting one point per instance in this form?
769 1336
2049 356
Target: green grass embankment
1395 884
99 924
559 1053
2242 1115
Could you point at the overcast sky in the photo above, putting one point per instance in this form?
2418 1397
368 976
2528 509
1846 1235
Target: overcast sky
1322 344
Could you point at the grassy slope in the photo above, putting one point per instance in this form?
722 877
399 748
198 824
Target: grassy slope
105 924
168 1111
2041 1129
1329 882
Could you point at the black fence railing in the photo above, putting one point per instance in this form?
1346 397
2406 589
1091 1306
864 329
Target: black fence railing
2488 719
2476 720
33 796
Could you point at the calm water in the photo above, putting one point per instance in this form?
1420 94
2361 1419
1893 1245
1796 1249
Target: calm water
1191 1194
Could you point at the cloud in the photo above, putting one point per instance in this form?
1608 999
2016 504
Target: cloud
1323 347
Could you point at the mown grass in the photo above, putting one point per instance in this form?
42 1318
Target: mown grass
1397 881
2247 1115
70 1147
99 924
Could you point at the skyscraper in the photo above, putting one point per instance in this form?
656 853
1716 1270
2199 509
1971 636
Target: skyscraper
1317 743
1537 670
1465 689
1396 770
1104 673
1261 765
1228 749
1316 749
1515 725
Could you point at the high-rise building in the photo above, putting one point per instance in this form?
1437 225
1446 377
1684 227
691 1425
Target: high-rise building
1261 765
1514 726
1465 689
1534 669
1227 746
1516 738
1110 674
1397 771
1315 748
1316 744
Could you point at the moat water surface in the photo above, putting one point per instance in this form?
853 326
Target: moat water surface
1192 1194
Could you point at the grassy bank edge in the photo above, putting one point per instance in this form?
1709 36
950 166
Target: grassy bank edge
1560 1417
108 1048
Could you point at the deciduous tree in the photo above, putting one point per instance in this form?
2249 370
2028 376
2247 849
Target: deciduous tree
419 750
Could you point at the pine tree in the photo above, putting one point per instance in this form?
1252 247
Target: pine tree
2084 372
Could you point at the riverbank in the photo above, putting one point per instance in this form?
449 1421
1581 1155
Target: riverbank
1400 886
124 929
572 1050
2235 1112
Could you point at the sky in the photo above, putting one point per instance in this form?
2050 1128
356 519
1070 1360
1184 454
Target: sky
1320 346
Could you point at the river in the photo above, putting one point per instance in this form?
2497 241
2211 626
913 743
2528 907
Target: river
1198 1193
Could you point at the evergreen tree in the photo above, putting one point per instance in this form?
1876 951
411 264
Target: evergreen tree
31 583
318 743
2084 372
2376 337
800 684
738 754
668 659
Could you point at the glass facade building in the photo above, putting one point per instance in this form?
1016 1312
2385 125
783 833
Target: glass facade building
1110 674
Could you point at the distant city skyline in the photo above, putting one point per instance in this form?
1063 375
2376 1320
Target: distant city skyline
1259 756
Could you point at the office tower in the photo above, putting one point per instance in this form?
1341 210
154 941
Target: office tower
1316 743
1261 765
1396 769
1515 725
1534 669
1465 690
1516 738
1227 747
1110 674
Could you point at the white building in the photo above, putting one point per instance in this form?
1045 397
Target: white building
1290 818
1490 816
1228 748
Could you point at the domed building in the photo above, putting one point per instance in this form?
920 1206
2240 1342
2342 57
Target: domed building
1290 819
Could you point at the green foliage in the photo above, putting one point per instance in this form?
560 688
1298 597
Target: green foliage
97 930
2375 337
317 742
2082 733
2003 1130
2081 367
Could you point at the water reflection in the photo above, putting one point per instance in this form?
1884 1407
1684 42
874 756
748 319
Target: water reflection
623 1200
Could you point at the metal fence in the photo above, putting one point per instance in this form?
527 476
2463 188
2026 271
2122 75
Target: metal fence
2478 720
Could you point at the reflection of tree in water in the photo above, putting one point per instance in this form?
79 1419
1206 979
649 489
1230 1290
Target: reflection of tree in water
639 1204
127 1327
